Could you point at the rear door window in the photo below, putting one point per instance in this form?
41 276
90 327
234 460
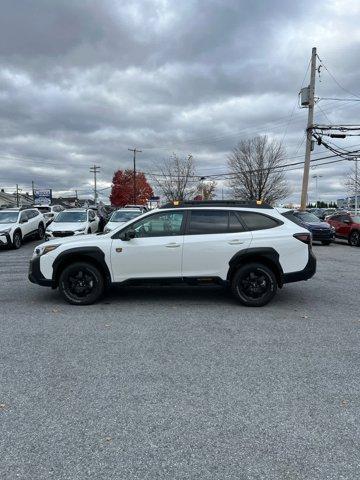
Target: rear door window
204 222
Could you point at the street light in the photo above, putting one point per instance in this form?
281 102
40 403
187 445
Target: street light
316 187
356 182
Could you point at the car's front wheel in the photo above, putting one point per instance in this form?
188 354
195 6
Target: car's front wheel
254 285
17 240
81 283
354 239
41 232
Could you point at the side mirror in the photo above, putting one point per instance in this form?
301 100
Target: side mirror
346 221
24 220
128 235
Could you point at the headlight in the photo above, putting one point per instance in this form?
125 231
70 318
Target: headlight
43 250
79 230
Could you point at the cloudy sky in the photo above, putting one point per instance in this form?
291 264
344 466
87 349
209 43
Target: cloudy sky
81 81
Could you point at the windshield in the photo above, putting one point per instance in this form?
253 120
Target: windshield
8 217
308 217
122 216
70 217
355 218
44 209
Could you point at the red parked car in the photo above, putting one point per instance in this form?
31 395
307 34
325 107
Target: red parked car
346 226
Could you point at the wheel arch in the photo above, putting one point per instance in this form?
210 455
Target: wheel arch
93 255
267 256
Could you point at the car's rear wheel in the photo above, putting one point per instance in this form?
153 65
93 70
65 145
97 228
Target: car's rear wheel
17 240
326 242
81 283
254 285
41 232
354 239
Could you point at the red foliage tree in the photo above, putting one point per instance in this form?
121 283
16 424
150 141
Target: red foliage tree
122 190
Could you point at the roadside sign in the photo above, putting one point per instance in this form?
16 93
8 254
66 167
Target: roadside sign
43 197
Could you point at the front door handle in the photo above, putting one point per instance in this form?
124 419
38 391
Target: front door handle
172 245
236 242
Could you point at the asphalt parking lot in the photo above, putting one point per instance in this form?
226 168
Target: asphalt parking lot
181 383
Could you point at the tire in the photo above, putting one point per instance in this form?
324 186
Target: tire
17 240
326 242
81 283
254 285
89 231
41 231
354 239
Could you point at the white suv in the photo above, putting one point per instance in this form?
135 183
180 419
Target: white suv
50 212
251 248
74 221
18 224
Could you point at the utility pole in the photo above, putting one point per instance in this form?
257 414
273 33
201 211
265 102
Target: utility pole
95 170
356 185
33 190
316 187
135 151
17 195
309 128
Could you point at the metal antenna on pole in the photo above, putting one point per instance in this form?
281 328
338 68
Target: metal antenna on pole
309 128
135 151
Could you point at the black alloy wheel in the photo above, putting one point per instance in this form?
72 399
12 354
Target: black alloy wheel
354 239
254 285
41 232
17 240
81 283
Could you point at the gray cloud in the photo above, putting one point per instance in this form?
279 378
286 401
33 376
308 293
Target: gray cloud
81 81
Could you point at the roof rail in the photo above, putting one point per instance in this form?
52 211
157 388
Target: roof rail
217 203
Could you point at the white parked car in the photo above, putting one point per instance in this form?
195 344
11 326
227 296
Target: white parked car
75 221
253 249
121 216
50 212
18 224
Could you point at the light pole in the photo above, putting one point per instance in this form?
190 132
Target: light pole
316 187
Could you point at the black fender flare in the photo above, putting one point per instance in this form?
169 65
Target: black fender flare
93 255
266 255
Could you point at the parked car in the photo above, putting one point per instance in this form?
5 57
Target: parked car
19 224
142 208
251 248
50 212
75 221
347 226
320 231
120 217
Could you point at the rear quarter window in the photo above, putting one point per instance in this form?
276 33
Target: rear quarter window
258 221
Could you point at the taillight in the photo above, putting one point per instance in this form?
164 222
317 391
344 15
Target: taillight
303 237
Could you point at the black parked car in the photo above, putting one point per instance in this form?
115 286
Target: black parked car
321 231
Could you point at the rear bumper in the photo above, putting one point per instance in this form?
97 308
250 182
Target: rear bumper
308 272
35 275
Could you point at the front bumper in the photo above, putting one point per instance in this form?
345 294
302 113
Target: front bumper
323 235
308 272
5 239
35 275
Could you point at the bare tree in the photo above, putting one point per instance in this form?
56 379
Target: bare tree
176 178
351 184
206 188
256 167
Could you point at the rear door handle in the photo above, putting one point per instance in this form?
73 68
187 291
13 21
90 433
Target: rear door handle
236 242
172 245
